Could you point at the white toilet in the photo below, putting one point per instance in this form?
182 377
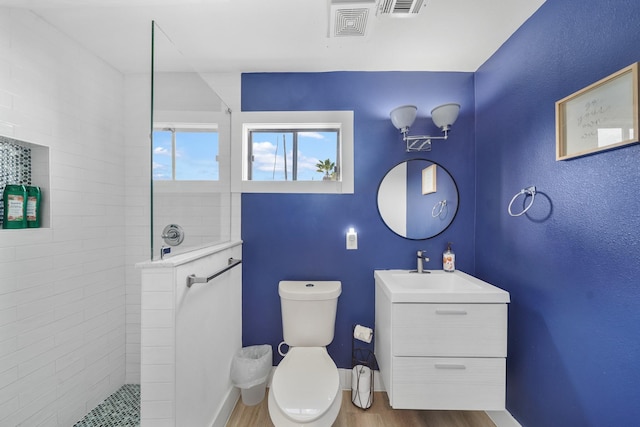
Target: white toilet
305 390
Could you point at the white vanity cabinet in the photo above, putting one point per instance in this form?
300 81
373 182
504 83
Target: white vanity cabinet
438 355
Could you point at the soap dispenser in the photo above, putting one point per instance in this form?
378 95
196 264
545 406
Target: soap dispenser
449 260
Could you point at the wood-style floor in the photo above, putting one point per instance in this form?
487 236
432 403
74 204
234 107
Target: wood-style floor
379 415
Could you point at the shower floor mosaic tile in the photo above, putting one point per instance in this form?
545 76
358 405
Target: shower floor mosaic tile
121 409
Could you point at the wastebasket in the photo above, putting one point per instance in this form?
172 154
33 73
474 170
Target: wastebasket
249 371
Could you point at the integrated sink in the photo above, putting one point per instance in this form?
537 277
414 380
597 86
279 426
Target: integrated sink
437 286
433 279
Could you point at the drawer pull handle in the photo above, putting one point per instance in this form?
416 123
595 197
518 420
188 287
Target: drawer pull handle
458 312
449 366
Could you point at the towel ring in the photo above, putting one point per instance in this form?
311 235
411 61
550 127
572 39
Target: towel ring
442 204
529 191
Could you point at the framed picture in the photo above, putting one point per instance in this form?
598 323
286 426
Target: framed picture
599 117
429 180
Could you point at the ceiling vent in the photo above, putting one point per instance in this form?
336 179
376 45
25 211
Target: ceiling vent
351 18
400 7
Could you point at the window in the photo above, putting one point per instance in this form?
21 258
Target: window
297 152
186 153
294 154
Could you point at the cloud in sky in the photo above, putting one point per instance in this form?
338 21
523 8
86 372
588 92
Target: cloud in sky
160 171
161 151
157 165
315 135
307 163
265 159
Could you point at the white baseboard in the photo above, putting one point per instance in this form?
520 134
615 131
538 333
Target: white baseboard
503 419
226 408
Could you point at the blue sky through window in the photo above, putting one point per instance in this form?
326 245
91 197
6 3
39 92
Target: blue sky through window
162 155
268 150
194 157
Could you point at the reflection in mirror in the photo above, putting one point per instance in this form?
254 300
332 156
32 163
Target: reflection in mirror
418 199
190 128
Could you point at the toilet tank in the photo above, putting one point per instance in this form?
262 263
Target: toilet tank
309 312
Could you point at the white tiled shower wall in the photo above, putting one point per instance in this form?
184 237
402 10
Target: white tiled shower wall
70 294
62 292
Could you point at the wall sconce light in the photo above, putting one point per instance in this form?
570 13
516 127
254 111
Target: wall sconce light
443 116
352 239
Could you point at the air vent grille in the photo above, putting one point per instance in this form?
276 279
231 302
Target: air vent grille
400 7
350 22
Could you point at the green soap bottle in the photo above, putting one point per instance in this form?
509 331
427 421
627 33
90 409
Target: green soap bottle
15 206
34 195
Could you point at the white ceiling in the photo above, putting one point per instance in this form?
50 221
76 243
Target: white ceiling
286 35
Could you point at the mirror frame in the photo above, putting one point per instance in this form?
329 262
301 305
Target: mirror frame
455 184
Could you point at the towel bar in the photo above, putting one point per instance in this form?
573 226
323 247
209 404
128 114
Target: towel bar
192 278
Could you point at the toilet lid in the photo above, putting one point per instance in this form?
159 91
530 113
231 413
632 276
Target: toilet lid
306 383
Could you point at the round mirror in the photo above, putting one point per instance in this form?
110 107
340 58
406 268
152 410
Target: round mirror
418 199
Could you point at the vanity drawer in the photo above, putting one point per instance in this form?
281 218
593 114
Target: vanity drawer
449 383
449 330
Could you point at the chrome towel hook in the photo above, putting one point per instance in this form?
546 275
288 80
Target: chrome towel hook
438 208
529 191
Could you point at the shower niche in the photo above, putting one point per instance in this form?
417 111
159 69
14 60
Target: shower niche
24 163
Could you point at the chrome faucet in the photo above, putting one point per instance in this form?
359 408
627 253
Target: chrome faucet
421 257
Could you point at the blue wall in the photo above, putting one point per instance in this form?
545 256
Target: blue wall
302 236
572 265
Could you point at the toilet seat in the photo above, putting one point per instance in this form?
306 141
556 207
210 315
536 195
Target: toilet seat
305 384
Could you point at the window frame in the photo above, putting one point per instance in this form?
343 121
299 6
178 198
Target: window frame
295 130
342 121
187 127
169 186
